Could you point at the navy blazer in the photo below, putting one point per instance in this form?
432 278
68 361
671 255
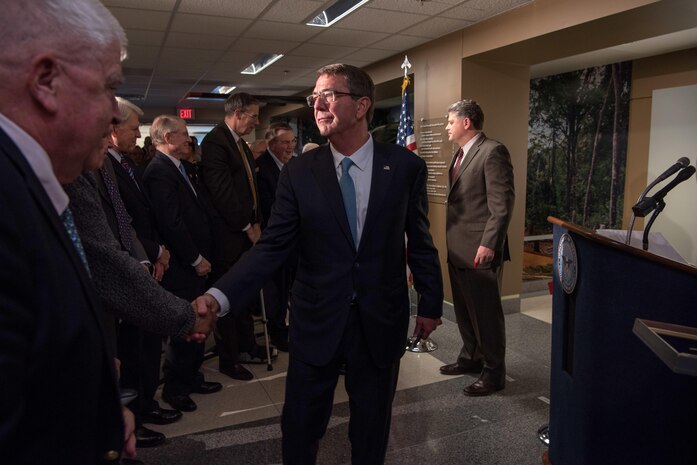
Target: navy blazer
59 399
268 181
184 222
309 212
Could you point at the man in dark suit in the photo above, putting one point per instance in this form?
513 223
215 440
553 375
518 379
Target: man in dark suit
139 350
480 204
281 144
58 73
227 172
183 218
346 206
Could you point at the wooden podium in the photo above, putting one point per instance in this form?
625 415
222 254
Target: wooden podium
613 401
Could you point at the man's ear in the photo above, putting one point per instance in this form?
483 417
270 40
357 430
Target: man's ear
363 106
45 82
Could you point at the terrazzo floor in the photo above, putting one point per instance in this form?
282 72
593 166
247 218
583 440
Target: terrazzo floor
433 422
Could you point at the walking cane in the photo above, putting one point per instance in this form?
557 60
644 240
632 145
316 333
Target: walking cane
266 331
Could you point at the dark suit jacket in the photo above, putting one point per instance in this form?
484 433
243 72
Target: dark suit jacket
480 204
184 221
223 176
59 401
268 180
309 212
138 205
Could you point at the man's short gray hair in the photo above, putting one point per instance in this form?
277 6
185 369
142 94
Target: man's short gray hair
126 108
469 109
78 28
161 126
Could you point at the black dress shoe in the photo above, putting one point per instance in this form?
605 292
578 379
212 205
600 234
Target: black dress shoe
481 387
161 416
207 387
180 402
237 371
148 438
457 369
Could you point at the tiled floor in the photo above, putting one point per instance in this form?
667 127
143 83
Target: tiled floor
433 422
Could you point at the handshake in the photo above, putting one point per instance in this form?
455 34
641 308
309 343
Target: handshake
206 309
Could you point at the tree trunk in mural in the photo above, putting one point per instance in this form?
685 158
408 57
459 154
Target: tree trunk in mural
594 155
614 185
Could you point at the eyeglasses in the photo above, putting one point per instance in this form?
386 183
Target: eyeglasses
327 97
288 142
251 115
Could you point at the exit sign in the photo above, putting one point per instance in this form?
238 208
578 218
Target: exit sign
186 113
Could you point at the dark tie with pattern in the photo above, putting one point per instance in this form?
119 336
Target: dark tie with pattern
123 219
182 170
348 192
456 166
69 223
128 169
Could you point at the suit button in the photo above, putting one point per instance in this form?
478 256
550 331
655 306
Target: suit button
111 455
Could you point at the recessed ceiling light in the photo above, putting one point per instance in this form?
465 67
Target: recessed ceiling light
335 12
262 63
223 89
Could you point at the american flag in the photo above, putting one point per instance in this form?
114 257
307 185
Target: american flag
405 133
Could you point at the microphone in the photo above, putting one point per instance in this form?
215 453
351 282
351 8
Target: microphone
681 163
649 204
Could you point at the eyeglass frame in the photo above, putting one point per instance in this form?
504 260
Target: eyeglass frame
251 115
325 94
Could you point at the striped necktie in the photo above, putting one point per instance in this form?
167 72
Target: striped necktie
69 223
348 192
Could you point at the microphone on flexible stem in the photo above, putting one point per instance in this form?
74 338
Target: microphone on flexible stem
678 165
656 202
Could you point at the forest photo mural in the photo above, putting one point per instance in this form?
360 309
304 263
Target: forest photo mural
577 147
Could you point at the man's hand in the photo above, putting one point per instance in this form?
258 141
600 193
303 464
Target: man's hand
484 255
254 232
205 304
205 320
164 258
129 437
158 271
203 268
425 326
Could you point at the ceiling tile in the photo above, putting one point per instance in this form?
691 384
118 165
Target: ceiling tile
140 56
281 31
229 8
370 55
409 6
265 46
202 41
336 36
399 42
186 56
365 19
438 27
230 27
141 19
319 50
297 61
164 5
292 11
141 37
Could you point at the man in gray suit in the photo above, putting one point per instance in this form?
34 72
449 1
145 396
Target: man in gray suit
480 203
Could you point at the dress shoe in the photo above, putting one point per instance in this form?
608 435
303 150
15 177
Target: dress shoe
457 369
180 402
489 382
161 416
148 438
207 387
237 371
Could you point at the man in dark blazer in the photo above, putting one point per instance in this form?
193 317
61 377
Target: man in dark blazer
227 173
281 144
139 350
480 204
60 400
183 218
349 300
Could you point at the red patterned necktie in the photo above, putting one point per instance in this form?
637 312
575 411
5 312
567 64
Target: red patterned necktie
456 166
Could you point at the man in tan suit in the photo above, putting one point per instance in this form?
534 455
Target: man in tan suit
480 203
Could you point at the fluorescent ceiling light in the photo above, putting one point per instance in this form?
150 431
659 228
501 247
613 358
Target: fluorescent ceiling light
223 89
335 12
262 63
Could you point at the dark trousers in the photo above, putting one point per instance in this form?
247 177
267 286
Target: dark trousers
310 394
234 334
276 293
479 315
139 352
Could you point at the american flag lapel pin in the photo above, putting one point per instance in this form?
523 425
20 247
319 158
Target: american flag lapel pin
386 168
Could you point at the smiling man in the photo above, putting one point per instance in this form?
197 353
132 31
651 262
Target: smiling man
345 208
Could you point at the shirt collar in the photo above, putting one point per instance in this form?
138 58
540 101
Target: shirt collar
361 157
39 162
275 159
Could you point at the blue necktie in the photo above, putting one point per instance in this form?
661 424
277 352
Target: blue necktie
182 170
348 192
69 223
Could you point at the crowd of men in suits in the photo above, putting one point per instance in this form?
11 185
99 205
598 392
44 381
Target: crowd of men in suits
101 260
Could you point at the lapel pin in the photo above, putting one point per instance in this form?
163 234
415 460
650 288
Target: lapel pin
386 168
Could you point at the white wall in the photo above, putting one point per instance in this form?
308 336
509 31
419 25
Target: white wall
674 135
